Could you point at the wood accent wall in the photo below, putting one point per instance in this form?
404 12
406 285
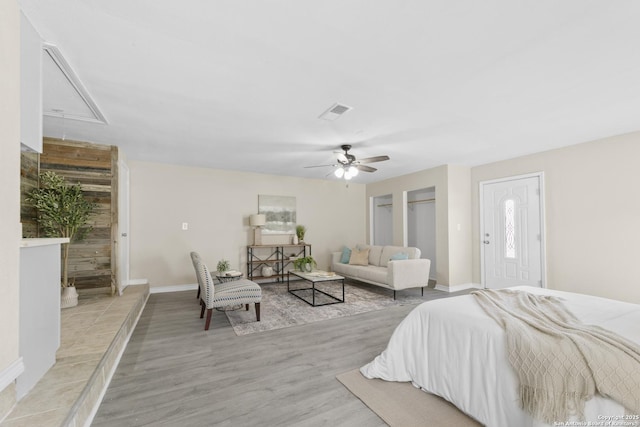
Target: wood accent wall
92 260
28 181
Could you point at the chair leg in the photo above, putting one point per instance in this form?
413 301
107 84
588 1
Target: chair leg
198 292
422 289
247 306
208 322
202 307
394 295
257 311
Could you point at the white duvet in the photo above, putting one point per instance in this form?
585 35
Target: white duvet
451 348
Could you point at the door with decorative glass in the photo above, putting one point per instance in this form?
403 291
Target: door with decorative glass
511 232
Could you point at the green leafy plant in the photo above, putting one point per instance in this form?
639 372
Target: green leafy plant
300 263
63 211
223 265
300 231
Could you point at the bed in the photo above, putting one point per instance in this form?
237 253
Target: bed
452 348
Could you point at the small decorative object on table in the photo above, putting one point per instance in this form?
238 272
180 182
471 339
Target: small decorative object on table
223 265
300 232
267 271
228 276
306 263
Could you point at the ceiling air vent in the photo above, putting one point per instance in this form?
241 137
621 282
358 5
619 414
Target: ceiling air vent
335 111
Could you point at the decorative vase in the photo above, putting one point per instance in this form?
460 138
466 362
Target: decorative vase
295 239
308 267
267 271
68 297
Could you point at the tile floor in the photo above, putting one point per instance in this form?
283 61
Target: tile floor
92 338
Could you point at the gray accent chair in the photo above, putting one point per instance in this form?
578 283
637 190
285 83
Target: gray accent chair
212 295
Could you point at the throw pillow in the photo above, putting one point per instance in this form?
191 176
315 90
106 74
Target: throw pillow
399 256
359 257
346 254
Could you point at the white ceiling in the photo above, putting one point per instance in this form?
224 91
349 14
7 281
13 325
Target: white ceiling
239 84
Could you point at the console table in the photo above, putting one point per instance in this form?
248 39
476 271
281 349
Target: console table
277 257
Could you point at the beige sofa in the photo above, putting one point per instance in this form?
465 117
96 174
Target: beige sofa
382 271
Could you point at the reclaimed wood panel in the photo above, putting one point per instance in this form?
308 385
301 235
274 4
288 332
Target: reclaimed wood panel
28 182
91 261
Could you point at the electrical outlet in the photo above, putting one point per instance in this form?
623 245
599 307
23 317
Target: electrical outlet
185 225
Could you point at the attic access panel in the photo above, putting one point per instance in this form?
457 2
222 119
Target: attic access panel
63 94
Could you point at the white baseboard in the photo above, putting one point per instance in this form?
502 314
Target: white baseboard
134 282
11 373
457 288
173 288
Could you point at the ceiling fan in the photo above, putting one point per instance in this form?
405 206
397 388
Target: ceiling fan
348 166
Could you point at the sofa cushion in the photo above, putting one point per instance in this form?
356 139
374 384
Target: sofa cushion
346 254
359 257
373 274
374 255
389 251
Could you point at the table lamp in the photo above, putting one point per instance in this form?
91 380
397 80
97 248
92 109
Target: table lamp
257 221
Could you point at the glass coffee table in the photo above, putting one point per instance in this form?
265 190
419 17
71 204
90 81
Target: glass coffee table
312 295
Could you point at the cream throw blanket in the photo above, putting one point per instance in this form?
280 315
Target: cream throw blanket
561 362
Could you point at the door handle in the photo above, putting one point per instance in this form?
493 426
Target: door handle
486 242
124 234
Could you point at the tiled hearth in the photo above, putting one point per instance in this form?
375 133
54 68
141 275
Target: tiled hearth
93 336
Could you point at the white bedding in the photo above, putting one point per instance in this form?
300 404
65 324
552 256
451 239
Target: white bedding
451 348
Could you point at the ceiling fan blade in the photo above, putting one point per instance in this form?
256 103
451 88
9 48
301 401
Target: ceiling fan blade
319 166
364 168
374 159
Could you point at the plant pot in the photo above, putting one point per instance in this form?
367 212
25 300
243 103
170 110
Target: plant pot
68 297
308 267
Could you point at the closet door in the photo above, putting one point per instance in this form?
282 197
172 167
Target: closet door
421 224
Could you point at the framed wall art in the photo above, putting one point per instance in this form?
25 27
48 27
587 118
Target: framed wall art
280 212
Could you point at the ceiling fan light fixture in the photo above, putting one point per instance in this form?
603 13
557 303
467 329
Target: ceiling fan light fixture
353 171
339 173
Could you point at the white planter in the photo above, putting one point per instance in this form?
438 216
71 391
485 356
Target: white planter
267 271
68 297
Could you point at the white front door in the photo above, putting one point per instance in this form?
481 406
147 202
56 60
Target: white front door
511 232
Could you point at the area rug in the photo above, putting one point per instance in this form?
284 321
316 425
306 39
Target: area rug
402 404
279 309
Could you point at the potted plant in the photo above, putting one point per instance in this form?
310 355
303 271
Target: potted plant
306 263
223 265
63 211
300 232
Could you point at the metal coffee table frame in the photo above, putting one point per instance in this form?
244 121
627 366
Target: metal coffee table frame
313 280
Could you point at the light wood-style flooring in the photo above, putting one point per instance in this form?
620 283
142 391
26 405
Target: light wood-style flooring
175 373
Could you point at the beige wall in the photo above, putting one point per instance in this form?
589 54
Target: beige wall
9 191
592 214
216 204
459 224
453 246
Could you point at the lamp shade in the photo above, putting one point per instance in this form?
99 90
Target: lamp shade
257 220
